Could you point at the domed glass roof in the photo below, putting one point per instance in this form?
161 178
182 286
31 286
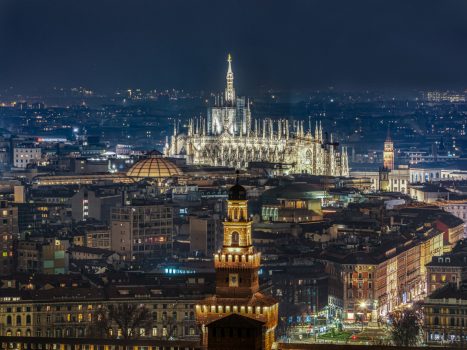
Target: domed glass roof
154 166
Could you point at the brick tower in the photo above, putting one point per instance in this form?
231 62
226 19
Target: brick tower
237 282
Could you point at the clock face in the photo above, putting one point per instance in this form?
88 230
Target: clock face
233 280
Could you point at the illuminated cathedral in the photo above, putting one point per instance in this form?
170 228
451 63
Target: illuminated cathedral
228 136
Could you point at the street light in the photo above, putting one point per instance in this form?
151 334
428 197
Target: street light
363 305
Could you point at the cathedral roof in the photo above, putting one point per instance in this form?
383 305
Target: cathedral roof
154 166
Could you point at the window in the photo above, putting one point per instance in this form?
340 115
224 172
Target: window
233 279
235 238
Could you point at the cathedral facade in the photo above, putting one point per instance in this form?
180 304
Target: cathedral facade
228 136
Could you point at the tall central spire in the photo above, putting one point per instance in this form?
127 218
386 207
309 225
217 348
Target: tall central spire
230 90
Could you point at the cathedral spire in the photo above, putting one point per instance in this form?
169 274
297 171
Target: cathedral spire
229 60
388 135
229 90
320 132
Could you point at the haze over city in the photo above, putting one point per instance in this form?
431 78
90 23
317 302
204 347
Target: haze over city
282 45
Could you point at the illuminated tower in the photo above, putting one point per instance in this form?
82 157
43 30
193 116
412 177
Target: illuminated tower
384 179
237 282
229 89
388 154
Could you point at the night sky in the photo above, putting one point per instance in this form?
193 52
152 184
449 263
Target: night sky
279 44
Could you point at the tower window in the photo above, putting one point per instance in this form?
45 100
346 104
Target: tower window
235 238
233 280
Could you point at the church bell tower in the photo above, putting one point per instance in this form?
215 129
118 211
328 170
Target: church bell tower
237 283
388 153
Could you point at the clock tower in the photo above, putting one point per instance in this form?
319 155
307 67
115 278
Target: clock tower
388 153
237 282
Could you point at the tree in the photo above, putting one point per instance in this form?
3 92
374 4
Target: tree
406 326
170 324
100 324
128 317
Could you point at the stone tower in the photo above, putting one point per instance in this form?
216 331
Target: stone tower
237 282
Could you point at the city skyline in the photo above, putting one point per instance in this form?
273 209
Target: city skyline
224 175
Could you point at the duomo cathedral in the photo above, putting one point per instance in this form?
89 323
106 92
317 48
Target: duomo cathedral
228 136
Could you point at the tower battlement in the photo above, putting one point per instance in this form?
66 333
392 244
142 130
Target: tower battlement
243 261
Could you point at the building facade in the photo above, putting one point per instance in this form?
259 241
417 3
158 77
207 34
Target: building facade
445 269
445 316
8 234
229 137
68 312
142 230
396 180
23 155
204 233
383 279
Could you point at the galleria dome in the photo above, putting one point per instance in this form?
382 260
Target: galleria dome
154 166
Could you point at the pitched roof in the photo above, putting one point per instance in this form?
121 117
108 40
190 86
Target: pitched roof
236 320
